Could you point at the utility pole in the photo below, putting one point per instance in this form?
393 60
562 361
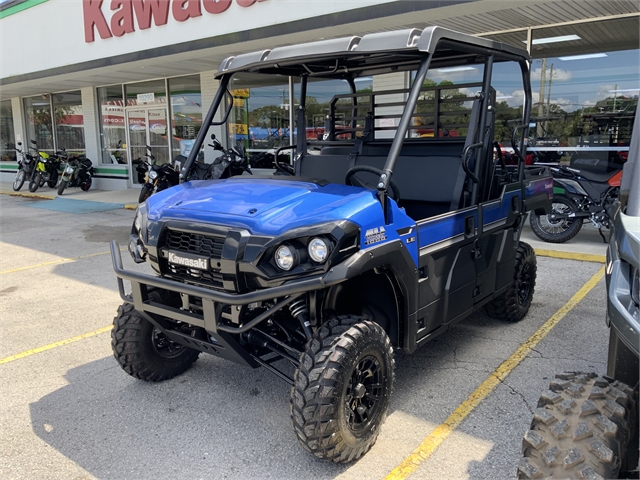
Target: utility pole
546 123
543 74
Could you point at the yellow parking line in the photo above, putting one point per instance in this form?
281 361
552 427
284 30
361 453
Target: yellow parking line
583 257
431 443
54 262
54 345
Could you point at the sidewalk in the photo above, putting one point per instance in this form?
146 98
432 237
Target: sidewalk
127 198
587 245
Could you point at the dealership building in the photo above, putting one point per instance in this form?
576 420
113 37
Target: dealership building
107 78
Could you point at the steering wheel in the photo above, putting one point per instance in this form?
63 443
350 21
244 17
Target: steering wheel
351 179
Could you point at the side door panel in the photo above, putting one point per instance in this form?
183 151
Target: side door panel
446 269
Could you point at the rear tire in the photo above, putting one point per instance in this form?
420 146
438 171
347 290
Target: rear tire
514 304
34 183
580 429
143 351
342 388
62 186
85 185
19 180
556 231
53 180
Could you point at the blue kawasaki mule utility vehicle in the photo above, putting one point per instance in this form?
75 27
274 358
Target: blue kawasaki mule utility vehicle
395 223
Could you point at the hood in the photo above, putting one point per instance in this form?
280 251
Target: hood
263 205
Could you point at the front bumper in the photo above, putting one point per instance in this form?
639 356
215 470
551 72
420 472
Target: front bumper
223 340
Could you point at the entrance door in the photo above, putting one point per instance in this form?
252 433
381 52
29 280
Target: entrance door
146 126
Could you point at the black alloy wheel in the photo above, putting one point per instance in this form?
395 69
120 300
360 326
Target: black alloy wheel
364 391
514 304
342 388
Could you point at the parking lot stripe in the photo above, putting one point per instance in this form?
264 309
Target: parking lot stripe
53 262
431 443
583 257
54 345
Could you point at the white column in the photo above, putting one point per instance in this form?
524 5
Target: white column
91 130
208 89
390 81
18 121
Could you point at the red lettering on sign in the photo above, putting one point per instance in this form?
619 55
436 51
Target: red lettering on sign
180 13
247 3
93 18
216 6
122 20
145 9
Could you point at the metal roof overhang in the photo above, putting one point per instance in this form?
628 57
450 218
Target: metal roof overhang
477 17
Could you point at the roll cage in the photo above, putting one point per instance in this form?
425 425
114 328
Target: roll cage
375 54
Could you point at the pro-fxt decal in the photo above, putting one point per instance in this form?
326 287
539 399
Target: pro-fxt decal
375 235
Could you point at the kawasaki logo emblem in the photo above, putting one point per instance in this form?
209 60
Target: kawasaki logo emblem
199 263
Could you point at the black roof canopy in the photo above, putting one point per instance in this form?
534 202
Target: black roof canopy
374 53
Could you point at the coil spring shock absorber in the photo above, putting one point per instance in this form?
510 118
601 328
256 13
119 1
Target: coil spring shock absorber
300 311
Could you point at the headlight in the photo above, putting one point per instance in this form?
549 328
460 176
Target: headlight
153 174
318 250
69 170
635 286
140 224
284 257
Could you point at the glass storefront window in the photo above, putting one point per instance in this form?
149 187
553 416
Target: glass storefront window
7 133
585 82
146 94
39 124
186 113
113 133
260 116
69 122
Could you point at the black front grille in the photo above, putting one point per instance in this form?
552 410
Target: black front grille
207 278
205 245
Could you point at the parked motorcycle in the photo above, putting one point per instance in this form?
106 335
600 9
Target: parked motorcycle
159 177
578 195
52 170
26 165
233 161
36 176
76 173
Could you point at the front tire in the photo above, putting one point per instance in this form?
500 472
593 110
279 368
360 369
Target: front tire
34 183
62 186
342 388
580 429
86 184
556 231
514 304
145 192
19 180
143 351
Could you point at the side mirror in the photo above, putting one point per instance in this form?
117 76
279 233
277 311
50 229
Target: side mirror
213 136
34 142
20 143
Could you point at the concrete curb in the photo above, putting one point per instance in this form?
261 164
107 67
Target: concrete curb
130 206
28 195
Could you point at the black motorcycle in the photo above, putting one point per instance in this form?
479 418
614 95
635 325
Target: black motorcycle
26 166
159 177
77 172
52 169
233 161
578 195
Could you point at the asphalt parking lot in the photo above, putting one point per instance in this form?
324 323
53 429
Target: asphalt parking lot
69 411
